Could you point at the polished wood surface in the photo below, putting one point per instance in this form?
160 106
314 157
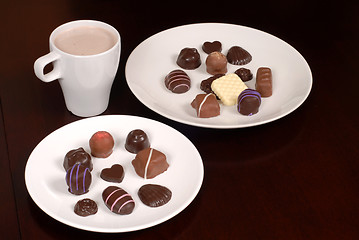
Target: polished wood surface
295 178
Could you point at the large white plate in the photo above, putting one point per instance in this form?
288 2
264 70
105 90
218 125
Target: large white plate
45 175
155 57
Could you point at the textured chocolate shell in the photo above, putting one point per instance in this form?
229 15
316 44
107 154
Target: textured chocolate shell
244 73
154 195
79 179
177 81
118 200
85 207
238 56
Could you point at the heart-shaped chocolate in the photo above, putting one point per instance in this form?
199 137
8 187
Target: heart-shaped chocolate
113 174
209 47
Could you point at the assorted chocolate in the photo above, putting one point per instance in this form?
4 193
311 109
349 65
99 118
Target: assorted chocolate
118 200
225 88
216 63
264 81
206 105
78 155
113 174
189 59
248 102
209 47
177 81
85 207
136 141
101 144
78 179
149 163
238 56
154 195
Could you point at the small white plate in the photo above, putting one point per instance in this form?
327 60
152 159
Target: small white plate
155 57
45 175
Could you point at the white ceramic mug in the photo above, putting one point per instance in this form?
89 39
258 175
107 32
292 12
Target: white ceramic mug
85 80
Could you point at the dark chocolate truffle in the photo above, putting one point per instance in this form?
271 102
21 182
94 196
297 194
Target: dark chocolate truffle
154 195
264 81
189 58
136 141
244 73
118 200
77 156
79 179
238 56
206 84
177 81
216 63
209 47
113 174
206 105
248 102
101 144
149 163
85 207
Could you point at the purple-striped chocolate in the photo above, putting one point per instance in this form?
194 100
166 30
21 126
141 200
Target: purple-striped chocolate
118 200
248 102
79 179
178 81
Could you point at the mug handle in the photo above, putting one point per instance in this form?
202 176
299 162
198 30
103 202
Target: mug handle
40 64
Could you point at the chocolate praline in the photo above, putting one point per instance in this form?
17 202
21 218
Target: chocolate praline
79 179
154 195
216 63
238 56
85 207
78 155
118 200
136 141
149 163
249 102
101 144
189 58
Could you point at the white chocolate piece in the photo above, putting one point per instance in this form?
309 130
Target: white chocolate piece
228 88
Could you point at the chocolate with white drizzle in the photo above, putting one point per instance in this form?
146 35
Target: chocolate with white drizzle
149 163
206 105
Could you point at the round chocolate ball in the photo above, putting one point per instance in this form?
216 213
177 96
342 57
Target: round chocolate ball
216 63
136 141
101 144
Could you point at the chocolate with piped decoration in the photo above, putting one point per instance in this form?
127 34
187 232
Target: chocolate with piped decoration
136 141
113 174
101 144
149 163
244 73
177 81
206 84
154 195
209 47
118 200
206 105
78 179
238 56
216 63
264 81
249 102
85 207
189 58
78 155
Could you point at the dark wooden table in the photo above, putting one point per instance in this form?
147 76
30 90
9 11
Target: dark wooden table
295 178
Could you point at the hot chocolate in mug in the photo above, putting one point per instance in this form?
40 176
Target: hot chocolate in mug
85 56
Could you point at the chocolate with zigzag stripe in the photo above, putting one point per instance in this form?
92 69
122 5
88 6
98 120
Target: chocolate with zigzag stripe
178 81
79 179
118 200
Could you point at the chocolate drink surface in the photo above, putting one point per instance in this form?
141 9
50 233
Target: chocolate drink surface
85 40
